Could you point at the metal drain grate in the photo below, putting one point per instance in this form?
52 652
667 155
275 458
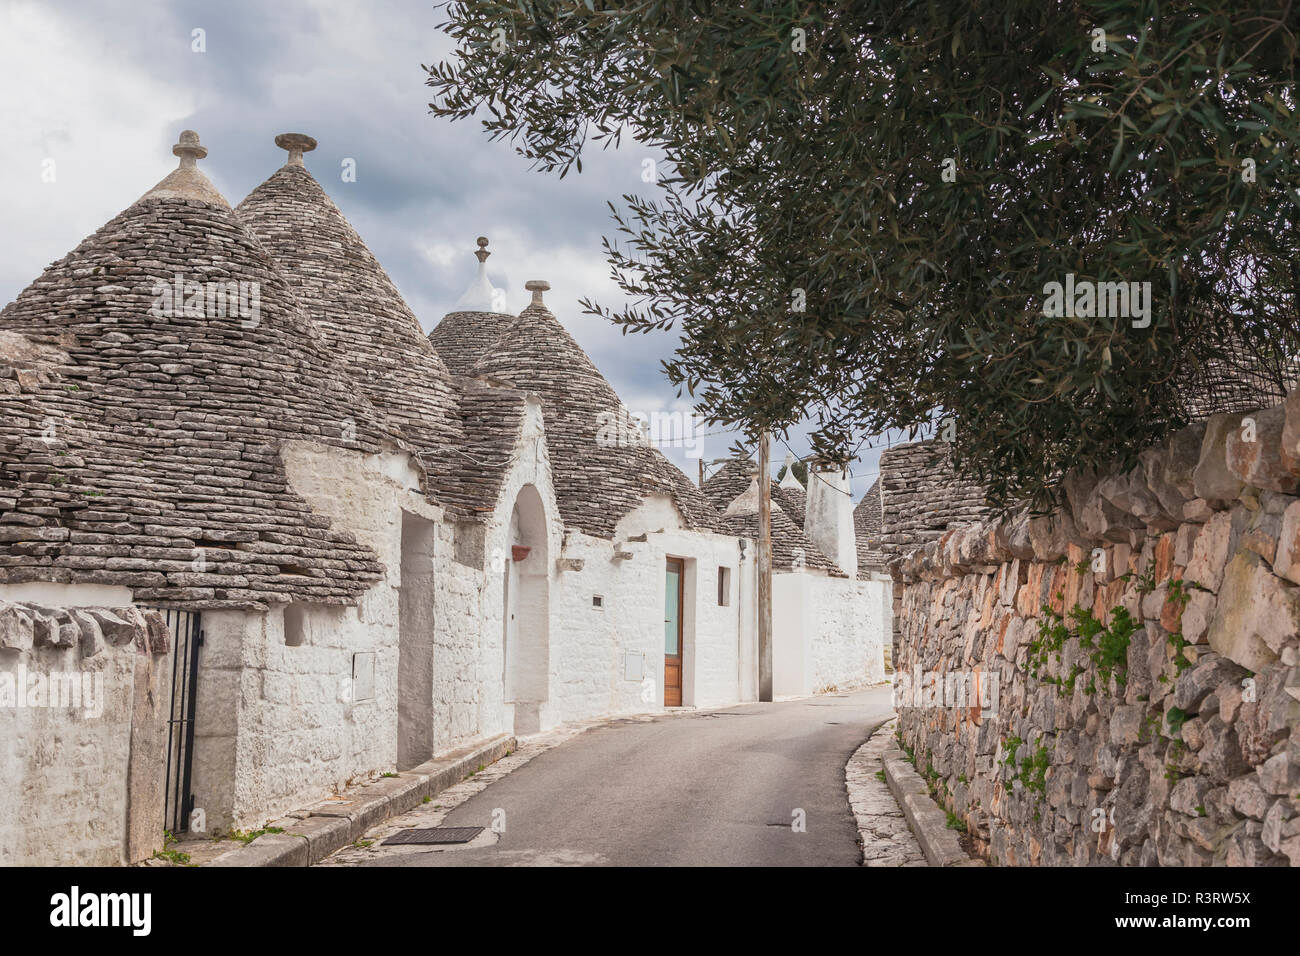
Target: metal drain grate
434 835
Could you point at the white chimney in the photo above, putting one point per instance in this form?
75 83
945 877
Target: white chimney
789 480
828 521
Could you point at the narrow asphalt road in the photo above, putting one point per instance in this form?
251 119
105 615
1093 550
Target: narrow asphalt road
716 788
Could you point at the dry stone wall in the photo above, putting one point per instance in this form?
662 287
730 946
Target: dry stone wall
1119 682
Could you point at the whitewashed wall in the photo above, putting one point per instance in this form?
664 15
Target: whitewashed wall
279 726
850 628
531 467
590 644
63 771
792 632
827 632
275 731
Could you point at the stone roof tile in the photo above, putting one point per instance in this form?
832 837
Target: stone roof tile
729 482
794 502
364 321
141 448
603 469
866 528
790 547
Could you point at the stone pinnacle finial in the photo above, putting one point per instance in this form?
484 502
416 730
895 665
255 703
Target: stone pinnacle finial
296 144
482 252
537 287
188 149
187 181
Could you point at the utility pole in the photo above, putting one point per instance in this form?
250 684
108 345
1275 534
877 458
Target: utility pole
764 567
701 471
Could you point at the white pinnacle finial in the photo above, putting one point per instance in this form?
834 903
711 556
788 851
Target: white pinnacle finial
537 287
789 480
296 144
482 296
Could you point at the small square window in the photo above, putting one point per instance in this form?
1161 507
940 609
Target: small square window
724 587
597 601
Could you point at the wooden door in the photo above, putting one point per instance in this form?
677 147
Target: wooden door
673 605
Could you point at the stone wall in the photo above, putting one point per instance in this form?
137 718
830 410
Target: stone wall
83 734
1150 713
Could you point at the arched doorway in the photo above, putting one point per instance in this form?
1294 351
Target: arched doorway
527 612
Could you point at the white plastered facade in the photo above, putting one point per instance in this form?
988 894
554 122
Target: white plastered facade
484 628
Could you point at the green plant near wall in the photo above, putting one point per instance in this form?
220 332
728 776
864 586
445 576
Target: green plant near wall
1178 642
1181 591
1009 748
1175 718
1031 770
1052 635
1146 578
1107 647
1150 728
1110 655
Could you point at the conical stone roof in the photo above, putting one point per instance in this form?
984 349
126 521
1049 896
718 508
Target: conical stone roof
462 338
790 548
729 482
493 419
793 502
156 465
866 527
597 480
361 317
734 478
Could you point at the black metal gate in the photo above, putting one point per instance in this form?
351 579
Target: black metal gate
187 638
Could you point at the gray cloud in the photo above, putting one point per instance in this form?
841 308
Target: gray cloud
349 74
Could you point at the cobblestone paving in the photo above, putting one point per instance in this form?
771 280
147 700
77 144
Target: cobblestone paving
882 830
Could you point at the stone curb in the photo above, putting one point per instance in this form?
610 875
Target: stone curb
884 834
312 834
929 823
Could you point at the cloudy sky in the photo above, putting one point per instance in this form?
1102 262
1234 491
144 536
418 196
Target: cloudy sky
98 90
